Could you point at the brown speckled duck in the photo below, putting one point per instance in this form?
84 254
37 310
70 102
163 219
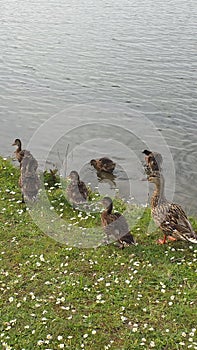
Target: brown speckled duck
169 217
153 161
29 180
103 164
77 191
115 225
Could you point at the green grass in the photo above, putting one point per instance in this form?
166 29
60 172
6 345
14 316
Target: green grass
55 296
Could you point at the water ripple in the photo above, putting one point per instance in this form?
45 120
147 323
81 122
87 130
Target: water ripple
139 54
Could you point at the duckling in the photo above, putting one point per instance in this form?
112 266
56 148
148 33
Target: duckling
153 161
103 164
29 180
169 217
77 191
21 153
115 224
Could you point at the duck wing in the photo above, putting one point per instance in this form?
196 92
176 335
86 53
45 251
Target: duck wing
106 164
21 154
115 225
29 180
177 224
76 193
83 189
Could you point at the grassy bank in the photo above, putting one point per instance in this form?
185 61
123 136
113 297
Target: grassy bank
54 296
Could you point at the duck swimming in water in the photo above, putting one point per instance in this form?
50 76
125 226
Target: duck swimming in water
115 225
153 161
103 164
169 217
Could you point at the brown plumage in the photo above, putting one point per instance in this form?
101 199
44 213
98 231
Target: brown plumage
153 161
28 181
19 153
169 217
115 224
77 191
108 178
103 164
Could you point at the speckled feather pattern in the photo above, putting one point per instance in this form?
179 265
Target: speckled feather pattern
153 162
171 218
29 180
77 192
103 164
115 226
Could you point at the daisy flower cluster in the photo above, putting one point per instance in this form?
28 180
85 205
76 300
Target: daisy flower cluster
58 297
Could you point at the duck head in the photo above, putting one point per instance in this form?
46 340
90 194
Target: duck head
107 203
74 176
93 162
17 142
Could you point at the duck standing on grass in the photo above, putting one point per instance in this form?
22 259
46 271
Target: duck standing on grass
28 181
153 161
169 217
115 225
77 191
103 164
19 153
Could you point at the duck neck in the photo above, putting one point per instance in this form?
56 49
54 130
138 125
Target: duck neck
75 183
108 210
19 148
158 196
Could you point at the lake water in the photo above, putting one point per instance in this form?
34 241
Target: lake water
129 56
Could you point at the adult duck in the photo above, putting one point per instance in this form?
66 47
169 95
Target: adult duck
153 161
103 164
29 180
169 217
20 153
77 191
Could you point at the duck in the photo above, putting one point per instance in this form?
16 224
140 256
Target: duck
20 153
115 225
51 178
103 164
169 217
77 191
29 181
109 178
153 161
